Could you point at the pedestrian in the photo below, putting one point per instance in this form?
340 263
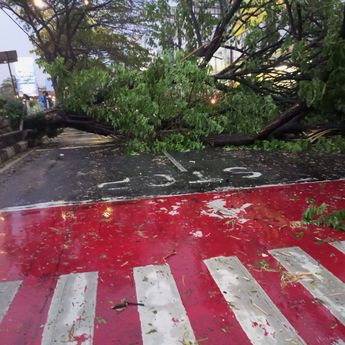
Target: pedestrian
48 101
42 101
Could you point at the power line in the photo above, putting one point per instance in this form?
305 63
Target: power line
15 22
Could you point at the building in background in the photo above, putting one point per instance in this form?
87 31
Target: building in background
26 76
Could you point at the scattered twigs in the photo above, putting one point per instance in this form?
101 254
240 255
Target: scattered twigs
290 278
124 304
173 252
259 308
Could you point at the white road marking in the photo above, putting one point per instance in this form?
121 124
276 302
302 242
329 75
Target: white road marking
340 245
8 291
338 342
202 179
217 209
198 174
60 203
72 310
9 164
168 178
306 179
323 285
164 320
177 164
242 171
258 316
102 185
118 188
210 180
100 145
174 211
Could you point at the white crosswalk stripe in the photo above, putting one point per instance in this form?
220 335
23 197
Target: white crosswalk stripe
340 245
256 313
164 320
323 285
8 291
72 310
163 317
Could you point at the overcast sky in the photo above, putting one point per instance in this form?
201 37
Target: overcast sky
12 38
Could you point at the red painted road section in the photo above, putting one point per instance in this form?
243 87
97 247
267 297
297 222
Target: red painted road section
37 246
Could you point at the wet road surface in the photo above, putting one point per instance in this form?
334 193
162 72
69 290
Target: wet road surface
201 261
101 173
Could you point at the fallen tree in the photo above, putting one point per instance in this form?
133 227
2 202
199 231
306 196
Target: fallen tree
298 110
287 66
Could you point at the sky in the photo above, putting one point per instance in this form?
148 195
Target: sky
12 38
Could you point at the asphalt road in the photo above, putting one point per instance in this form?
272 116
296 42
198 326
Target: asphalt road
75 174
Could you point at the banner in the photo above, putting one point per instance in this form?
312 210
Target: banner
25 76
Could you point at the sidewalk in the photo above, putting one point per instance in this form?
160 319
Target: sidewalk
11 144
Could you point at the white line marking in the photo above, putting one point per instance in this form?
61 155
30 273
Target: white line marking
242 171
60 203
198 174
177 164
306 179
100 145
211 180
164 320
85 146
170 181
323 285
72 310
338 342
8 291
201 178
256 313
216 208
340 245
101 185
9 164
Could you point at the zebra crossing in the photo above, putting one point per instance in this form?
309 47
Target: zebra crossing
156 289
72 307
164 320
340 245
249 302
322 284
8 291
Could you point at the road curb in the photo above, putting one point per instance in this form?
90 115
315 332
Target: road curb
11 151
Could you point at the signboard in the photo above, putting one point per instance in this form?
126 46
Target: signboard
25 76
8 56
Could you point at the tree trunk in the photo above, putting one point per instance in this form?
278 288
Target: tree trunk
298 110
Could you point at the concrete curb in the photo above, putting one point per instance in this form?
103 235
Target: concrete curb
10 151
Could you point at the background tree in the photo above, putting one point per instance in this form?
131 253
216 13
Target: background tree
11 109
182 25
288 59
6 90
78 31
